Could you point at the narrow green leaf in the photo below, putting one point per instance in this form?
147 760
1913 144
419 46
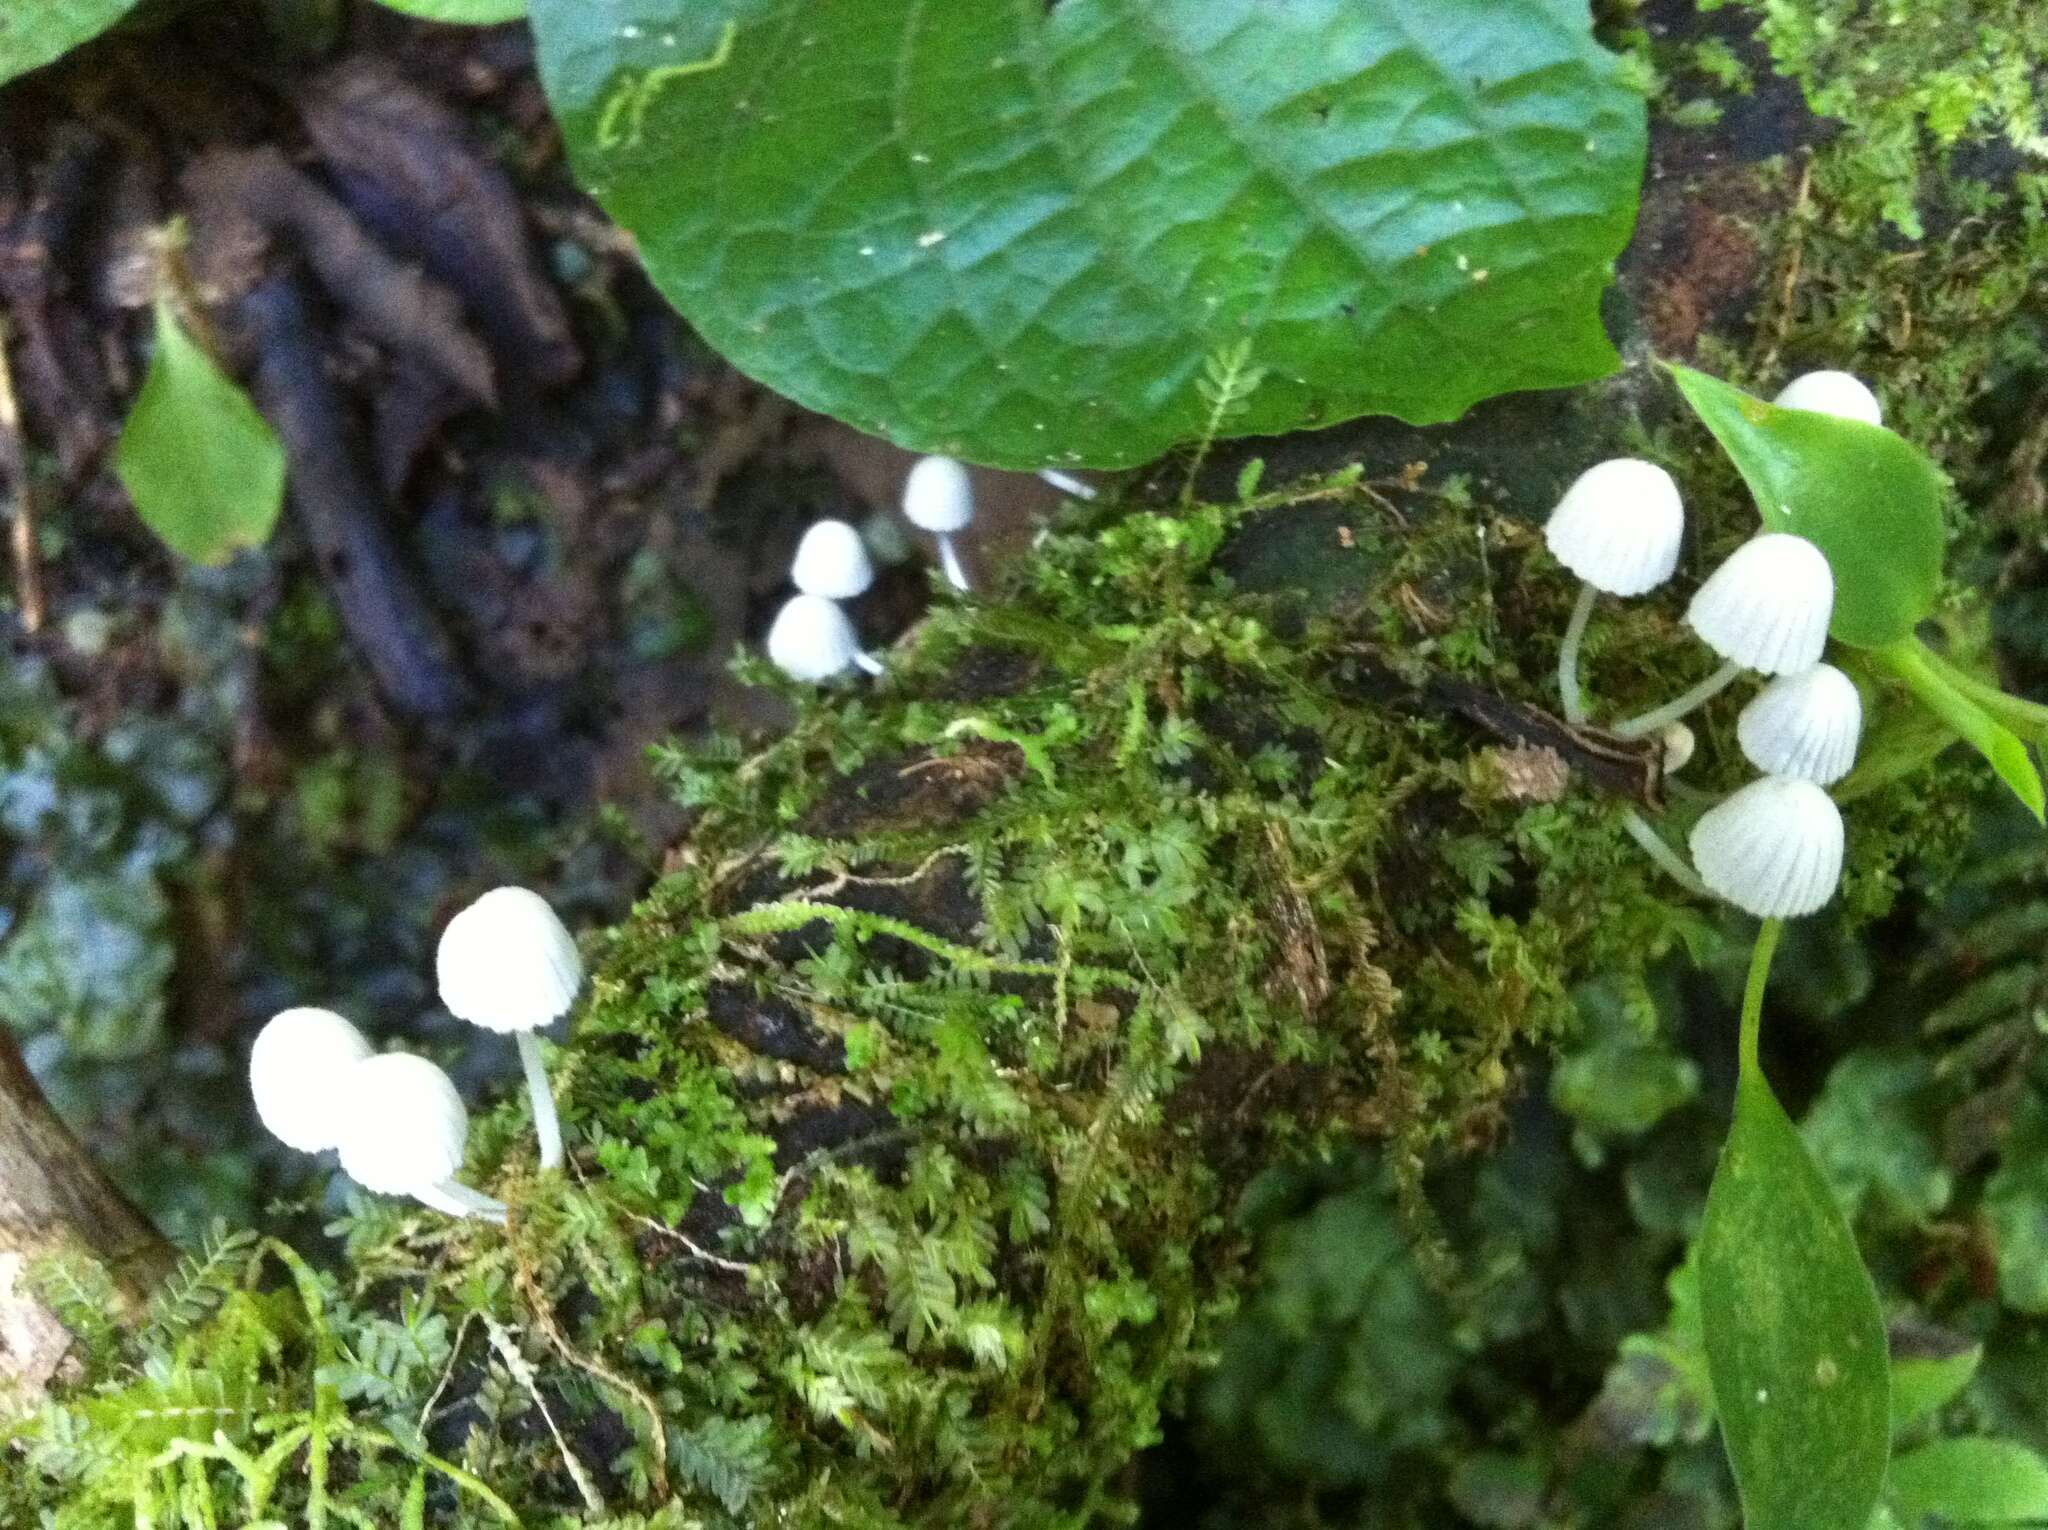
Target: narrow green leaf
1970 1482
467 13
1922 1384
205 471
38 32
1866 497
1015 231
1795 1342
1969 720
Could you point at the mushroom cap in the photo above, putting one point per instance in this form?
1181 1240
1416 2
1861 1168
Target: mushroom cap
1767 608
832 561
1680 744
1805 725
507 963
811 639
1835 393
298 1055
938 496
1773 849
1619 526
403 1126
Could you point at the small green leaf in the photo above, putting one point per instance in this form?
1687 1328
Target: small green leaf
38 32
1867 498
1016 232
467 13
1795 1342
1922 1384
1970 721
2016 1205
1970 1482
204 469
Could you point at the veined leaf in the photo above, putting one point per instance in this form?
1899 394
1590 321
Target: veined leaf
38 32
1014 231
205 470
1866 497
1970 1482
1795 1342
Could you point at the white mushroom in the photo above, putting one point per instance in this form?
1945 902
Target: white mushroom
507 963
292 1068
1805 725
1835 393
403 1132
1773 849
1767 608
938 497
1618 527
1680 744
832 561
811 640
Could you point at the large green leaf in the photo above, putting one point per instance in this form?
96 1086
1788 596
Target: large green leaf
1795 1342
1969 719
38 32
205 470
1867 498
1971 1482
471 13
1013 230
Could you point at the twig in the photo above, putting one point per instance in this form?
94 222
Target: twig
522 1372
28 563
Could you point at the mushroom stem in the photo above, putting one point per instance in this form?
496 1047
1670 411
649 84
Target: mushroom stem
869 662
1568 657
1680 706
1668 859
949 561
458 1200
547 1125
1066 483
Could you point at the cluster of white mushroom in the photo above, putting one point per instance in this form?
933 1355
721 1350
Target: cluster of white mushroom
1773 848
505 963
812 638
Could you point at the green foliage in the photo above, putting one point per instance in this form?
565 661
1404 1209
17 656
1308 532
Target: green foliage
1399 209
205 471
469 13
37 32
1969 1482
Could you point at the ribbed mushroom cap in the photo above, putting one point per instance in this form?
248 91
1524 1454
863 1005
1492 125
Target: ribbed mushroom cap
938 495
811 639
1835 393
1767 608
403 1126
1619 526
832 561
1774 849
1805 725
507 963
297 1057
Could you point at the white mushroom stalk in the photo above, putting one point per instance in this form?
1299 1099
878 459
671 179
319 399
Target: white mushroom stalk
1618 527
1067 483
403 1132
812 640
1805 725
938 497
507 963
1836 393
1773 849
293 1066
1766 609
832 561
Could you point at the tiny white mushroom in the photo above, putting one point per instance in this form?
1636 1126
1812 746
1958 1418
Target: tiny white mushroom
1767 608
812 640
1836 393
403 1132
938 497
1773 849
507 963
832 561
1680 744
292 1068
1618 527
1805 725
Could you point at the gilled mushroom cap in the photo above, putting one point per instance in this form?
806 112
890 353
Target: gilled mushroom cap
403 1126
1619 526
297 1057
811 639
1773 849
1805 725
1767 608
832 561
938 495
1836 393
507 963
